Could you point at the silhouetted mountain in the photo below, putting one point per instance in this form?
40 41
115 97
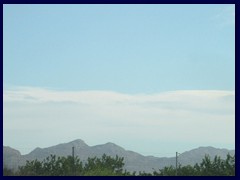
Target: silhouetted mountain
12 158
196 155
133 161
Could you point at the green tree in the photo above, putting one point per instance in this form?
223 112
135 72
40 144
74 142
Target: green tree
8 172
52 166
106 165
67 166
110 166
208 167
218 167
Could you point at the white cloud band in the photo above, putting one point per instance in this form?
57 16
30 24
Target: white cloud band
177 116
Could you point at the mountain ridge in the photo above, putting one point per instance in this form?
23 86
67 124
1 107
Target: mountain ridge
133 161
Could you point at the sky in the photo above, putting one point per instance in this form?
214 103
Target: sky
154 79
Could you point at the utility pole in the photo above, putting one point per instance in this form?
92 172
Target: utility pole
73 152
73 161
176 162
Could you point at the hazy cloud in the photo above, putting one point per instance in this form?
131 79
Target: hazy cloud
50 116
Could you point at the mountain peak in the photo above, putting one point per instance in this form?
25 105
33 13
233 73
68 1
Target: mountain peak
78 141
206 147
11 151
110 144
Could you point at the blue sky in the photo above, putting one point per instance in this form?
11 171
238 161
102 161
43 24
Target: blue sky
112 72
126 48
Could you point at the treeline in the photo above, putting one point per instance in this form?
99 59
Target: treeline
114 166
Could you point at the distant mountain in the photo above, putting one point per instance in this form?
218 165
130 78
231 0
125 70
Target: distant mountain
133 161
196 155
12 158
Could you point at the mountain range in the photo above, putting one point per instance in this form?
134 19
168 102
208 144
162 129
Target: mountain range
134 161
